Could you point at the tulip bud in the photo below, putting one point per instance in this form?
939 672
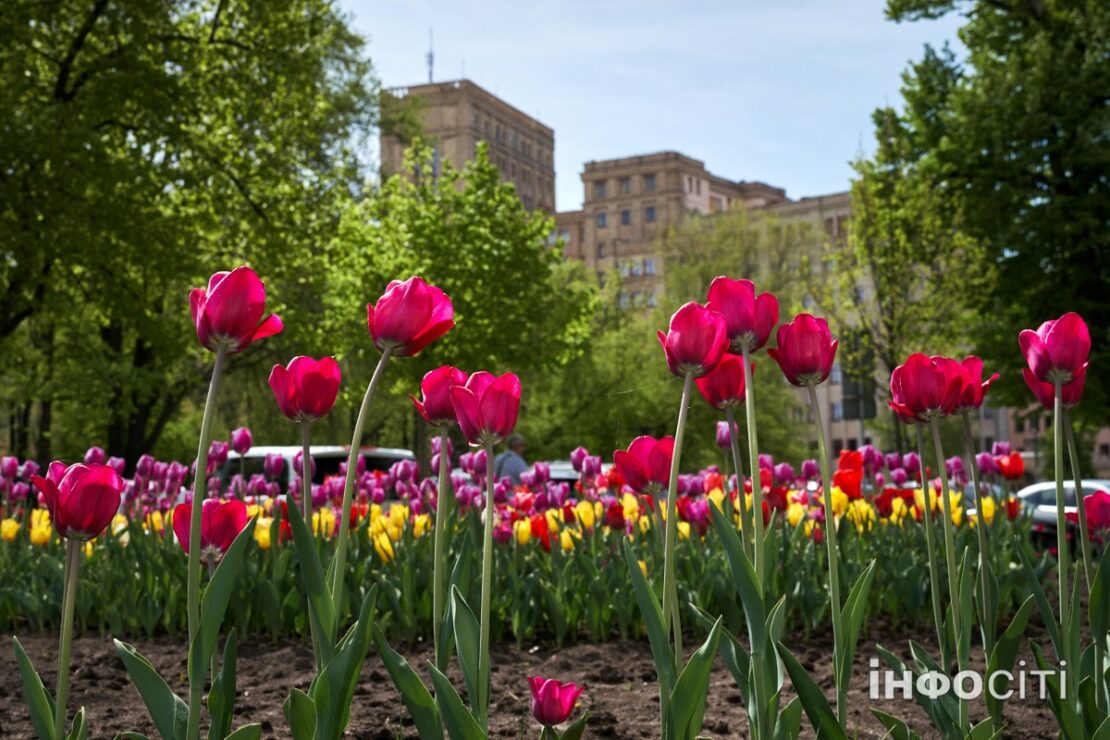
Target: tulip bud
724 438
695 341
810 469
552 701
9 467
749 319
82 499
912 463
577 456
229 313
435 405
1000 448
409 316
95 456
241 440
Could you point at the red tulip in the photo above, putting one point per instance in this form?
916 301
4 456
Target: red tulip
229 313
410 316
1097 506
850 460
1013 508
83 501
646 464
486 407
305 390
805 351
1057 349
614 515
436 388
220 523
849 481
748 318
1012 466
1070 392
724 385
973 388
926 387
695 340
553 702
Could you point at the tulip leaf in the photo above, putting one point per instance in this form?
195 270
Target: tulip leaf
988 604
169 713
468 643
300 713
984 731
1035 588
461 725
745 580
459 573
855 609
334 687
79 730
941 716
419 701
252 731
789 724
816 706
38 701
692 688
1099 600
321 611
896 729
732 652
574 732
1003 656
221 697
1070 723
652 615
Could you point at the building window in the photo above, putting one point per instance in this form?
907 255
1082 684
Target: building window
1104 450
649 182
626 184
649 214
1019 426
649 265
834 377
837 411
838 444
715 204
602 220
599 189
626 217
852 443
651 300
600 250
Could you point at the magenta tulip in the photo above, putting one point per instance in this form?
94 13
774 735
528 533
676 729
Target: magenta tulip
552 701
84 500
241 440
435 406
695 341
220 523
229 313
805 351
1070 393
305 389
923 388
1057 349
724 436
749 318
486 407
9 467
95 456
409 316
723 386
973 388
646 464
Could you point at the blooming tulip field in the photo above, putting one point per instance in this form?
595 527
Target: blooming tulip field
760 598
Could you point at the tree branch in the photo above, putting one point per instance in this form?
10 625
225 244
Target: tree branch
61 93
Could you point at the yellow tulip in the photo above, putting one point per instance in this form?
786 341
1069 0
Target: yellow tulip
262 532
795 512
384 548
8 529
717 496
523 530
420 525
554 519
989 509
253 510
565 540
631 506
40 518
88 549
684 530
839 501
643 568
155 522
862 515
323 521
919 499
645 524
40 535
584 510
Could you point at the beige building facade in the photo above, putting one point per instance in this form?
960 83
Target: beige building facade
459 114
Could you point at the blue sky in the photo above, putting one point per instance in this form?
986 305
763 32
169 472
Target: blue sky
775 91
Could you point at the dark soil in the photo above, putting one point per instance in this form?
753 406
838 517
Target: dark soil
621 693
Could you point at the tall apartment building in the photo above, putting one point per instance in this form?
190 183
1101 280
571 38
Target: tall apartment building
456 115
630 201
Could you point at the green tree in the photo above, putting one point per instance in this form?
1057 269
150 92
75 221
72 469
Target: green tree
1016 134
144 146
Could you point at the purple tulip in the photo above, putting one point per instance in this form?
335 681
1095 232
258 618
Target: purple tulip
954 467
273 465
724 439
9 467
528 479
986 463
880 480
95 456
501 490
542 472
784 473
577 456
20 491
766 462
893 460
298 464
912 463
436 450
30 469
117 464
810 469
591 466
871 456
217 454
998 449
898 476
241 440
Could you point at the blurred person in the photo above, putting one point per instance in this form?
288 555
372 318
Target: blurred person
510 463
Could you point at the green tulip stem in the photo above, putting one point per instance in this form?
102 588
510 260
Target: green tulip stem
671 618
438 547
930 547
200 491
487 592
65 643
1080 504
753 462
306 506
980 532
741 503
950 556
1062 557
832 539
349 489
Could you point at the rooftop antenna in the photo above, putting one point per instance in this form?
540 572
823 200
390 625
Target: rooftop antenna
431 56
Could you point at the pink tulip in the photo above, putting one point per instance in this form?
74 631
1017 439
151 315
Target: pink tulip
229 314
749 318
723 386
486 407
1097 507
926 387
9 467
1057 349
1070 393
305 390
805 351
973 388
83 501
409 316
695 340
95 456
435 388
552 701
646 464
241 440
220 523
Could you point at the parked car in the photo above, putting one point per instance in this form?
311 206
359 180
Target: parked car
327 458
1039 501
